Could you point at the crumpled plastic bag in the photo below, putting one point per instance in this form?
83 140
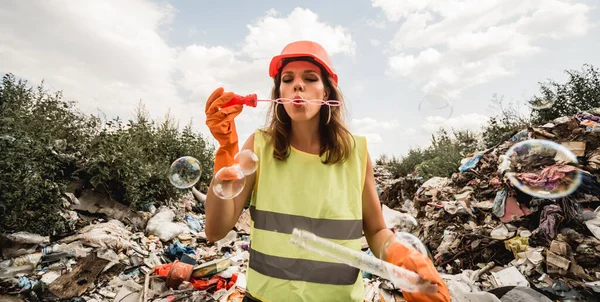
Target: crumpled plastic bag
470 163
28 238
394 218
594 224
162 225
499 203
194 223
108 235
177 250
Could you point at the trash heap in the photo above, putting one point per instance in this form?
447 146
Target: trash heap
484 233
116 254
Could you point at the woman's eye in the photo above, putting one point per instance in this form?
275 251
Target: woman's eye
286 80
312 79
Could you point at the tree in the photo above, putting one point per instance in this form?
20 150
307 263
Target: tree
507 121
581 92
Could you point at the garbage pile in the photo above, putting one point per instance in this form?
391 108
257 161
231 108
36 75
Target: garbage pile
487 236
116 254
485 233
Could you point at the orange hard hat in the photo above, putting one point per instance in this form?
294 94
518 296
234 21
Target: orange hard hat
304 49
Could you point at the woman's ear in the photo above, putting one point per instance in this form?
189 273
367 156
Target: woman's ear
326 94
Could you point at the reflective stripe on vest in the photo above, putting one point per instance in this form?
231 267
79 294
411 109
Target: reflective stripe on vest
304 193
303 270
322 227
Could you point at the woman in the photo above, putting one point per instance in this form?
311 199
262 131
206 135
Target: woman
313 174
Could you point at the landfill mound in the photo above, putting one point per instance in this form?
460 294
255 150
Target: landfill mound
115 254
485 233
487 238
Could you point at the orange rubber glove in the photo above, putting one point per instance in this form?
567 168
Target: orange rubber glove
409 258
222 126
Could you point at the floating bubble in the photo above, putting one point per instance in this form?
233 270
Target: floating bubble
412 241
229 182
436 108
542 169
184 172
542 103
247 160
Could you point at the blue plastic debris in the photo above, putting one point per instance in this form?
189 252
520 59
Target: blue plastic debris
471 163
194 223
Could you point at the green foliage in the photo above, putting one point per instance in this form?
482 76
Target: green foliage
507 121
130 162
581 92
441 158
404 165
445 153
41 136
45 144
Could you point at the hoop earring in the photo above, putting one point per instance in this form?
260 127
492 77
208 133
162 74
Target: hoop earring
329 116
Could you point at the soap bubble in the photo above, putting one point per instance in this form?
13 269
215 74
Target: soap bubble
436 108
542 103
247 160
412 241
542 168
229 182
185 172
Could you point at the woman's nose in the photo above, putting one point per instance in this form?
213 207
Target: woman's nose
298 85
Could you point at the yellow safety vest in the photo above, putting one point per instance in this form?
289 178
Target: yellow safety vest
304 193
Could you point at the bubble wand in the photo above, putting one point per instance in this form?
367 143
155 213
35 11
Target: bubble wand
252 101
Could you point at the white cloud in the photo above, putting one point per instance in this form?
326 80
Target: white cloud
395 10
374 131
375 42
106 56
379 23
109 55
449 45
368 124
373 138
270 34
470 121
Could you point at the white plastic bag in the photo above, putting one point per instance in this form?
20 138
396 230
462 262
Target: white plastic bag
162 225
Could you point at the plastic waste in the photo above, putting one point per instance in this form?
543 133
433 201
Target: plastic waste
26 284
162 225
403 279
227 240
14 271
177 250
28 238
194 223
31 259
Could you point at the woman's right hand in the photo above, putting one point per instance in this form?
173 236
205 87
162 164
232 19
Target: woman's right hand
220 122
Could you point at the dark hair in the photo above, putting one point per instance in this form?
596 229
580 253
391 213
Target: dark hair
336 139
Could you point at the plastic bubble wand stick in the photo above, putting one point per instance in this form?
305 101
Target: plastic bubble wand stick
252 101
403 279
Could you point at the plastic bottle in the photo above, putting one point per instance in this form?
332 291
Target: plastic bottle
403 279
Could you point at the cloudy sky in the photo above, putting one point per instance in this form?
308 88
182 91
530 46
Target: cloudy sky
390 55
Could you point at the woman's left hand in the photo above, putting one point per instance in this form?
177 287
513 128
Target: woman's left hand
409 258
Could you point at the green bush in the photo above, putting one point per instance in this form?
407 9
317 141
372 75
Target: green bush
441 158
46 143
41 139
130 162
404 165
581 92
507 121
